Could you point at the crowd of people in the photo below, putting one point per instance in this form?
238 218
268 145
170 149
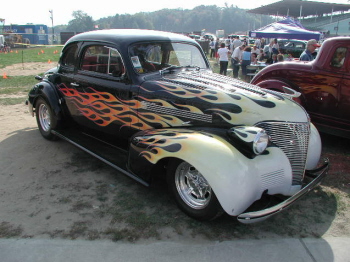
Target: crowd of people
241 54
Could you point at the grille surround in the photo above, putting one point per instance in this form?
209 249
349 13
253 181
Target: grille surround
293 140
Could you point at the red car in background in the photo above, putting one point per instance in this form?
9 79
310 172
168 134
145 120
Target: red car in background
324 84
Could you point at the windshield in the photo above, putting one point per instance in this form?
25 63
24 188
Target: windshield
152 57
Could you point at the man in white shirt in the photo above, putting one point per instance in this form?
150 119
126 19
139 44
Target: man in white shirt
236 59
256 50
236 43
223 54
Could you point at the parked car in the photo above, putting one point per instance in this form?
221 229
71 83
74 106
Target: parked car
147 103
294 47
324 85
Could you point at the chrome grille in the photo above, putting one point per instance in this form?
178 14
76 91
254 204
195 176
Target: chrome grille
293 140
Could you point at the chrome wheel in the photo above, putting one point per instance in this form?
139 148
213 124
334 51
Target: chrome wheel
44 117
192 187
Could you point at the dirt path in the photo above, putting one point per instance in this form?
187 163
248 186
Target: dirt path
26 69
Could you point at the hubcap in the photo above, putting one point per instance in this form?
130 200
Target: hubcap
192 187
44 117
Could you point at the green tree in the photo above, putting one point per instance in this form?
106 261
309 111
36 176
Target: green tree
82 22
230 18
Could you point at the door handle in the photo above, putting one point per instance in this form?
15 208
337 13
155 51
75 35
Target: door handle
74 84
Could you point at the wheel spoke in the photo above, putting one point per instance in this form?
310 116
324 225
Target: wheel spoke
193 188
44 117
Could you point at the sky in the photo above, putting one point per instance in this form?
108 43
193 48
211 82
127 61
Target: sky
37 11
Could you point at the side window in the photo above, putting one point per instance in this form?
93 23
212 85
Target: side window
70 56
96 59
338 57
102 59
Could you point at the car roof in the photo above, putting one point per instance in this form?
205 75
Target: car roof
128 36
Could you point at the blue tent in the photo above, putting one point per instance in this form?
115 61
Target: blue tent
286 29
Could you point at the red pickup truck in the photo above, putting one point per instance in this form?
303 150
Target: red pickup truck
324 84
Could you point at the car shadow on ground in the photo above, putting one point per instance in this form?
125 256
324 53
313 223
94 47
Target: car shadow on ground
108 205
337 150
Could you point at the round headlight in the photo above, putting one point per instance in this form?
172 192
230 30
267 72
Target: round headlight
260 143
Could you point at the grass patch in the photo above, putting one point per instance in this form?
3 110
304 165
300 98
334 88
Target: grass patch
102 192
12 101
28 55
64 200
13 90
17 81
121 234
78 229
7 230
80 205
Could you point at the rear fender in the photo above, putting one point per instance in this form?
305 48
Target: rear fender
235 179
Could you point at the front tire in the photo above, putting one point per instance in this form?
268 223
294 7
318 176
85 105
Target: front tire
192 192
45 118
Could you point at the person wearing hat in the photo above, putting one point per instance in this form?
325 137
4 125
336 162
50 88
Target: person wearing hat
311 46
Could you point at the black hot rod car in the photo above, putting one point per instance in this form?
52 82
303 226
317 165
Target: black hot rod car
145 101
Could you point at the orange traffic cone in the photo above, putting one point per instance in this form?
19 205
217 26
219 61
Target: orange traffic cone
49 61
4 76
39 53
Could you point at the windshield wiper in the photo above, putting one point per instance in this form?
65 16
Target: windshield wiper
173 68
170 69
192 66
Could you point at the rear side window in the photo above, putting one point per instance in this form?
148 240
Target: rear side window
339 57
102 59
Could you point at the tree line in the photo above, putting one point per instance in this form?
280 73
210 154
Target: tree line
229 18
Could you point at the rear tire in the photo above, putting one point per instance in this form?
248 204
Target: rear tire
46 120
192 193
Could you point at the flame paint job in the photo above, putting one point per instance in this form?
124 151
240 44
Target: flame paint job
171 104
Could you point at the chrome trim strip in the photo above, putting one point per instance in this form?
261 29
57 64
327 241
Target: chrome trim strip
177 112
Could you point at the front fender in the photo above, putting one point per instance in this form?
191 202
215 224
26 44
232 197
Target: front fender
314 149
237 181
278 85
49 93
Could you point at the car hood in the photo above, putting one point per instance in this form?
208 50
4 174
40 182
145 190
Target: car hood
217 99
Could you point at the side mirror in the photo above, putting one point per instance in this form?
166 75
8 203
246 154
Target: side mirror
39 78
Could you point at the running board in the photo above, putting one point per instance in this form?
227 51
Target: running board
109 154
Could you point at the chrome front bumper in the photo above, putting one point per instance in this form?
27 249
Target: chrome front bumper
318 175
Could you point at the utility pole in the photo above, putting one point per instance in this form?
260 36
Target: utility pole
53 31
